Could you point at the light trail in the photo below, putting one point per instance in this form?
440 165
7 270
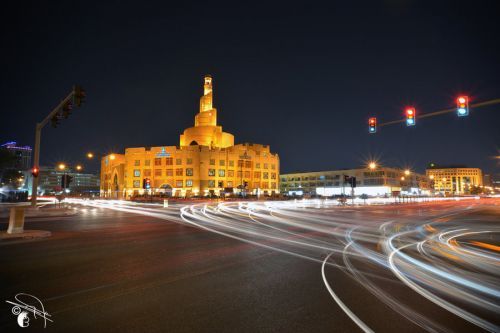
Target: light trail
430 249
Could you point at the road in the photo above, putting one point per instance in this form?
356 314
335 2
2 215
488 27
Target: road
305 266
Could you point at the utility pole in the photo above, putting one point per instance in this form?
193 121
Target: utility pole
77 95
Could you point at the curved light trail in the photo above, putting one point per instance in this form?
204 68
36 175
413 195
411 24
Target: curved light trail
430 250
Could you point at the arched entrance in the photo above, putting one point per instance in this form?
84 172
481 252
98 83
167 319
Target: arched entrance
114 186
166 190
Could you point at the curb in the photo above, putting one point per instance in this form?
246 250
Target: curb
26 235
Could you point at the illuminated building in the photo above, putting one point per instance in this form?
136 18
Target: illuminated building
378 181
206 162
50 181
22 155
455 179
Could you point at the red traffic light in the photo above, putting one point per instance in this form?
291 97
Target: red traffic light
372 125
35 171
410 116
463 106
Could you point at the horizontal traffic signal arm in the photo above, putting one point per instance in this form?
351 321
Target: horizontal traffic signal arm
437 113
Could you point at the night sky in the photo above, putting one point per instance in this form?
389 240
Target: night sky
302 77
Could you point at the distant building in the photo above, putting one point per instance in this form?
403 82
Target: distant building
22 155
50 181
206 162
454 179
379 182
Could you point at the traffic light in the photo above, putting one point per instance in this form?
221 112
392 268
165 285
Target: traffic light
55 120
372 125
80 95
35 171
410 117
66 180
146 183
67 108
463 106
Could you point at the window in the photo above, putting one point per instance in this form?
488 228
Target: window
137 183
229 184
256 174
265 165
211 183
222 173
266 175
211 172
189 171
169 161
230 173
147 162
189 161
178 183
257 165
178 172
157 172
248 164
273 175
170 172
222 163
189 183
256 184
273 166
157 161
239 174
240 163
137 173
231 163
273 185
137 162
147 172
212 161
247 174
178 161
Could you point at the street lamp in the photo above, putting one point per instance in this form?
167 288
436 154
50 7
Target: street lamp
61 166
112 156
90 155
402 178
79 167
372 165
407 172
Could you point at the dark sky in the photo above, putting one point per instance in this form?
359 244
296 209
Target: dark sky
302 77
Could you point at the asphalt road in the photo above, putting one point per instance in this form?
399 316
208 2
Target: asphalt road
115 270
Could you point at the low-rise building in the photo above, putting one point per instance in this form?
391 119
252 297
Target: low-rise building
377 182
50 181
454 179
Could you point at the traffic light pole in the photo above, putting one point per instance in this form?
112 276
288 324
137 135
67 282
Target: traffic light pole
38 134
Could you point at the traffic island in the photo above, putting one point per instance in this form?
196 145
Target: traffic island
26 234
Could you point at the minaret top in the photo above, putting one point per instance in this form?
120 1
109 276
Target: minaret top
206 99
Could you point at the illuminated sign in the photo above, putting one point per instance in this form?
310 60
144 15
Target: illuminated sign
163 153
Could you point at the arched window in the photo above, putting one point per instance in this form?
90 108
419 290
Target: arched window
193 143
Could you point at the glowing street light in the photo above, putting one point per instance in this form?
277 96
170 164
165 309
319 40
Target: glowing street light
407 172
372 165
61 166
79 167
402 178
431 177
90 155
112 156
